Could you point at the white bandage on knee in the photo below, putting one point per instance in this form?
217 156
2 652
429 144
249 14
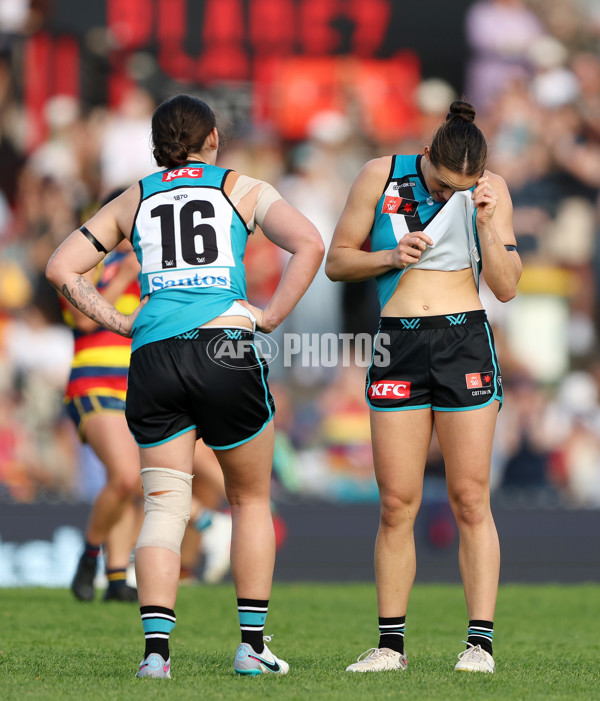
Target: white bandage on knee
168 496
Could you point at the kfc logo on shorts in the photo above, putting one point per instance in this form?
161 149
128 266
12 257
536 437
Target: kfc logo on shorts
399 205
389 389
181 173
476 380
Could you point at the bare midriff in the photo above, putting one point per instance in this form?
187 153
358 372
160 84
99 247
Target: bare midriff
433 292
223 321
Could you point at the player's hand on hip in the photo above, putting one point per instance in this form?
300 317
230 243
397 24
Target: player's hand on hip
130 318
258 314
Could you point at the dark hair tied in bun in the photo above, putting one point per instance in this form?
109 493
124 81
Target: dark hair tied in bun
460 109
458 144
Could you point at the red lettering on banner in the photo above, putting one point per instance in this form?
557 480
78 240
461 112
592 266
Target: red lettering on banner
225 57
171 30
66 67
131 22
181 173
223 62
371 20
390 389
272 25
229 40
177 64
318 34
37 64
171 25
223 21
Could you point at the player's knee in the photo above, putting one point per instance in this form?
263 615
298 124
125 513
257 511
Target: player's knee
397 509
470 506
168 495
127 486
254 496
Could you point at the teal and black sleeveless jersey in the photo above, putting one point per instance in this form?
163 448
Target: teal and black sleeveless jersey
405 207
190 242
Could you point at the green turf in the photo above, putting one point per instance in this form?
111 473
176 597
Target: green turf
546 646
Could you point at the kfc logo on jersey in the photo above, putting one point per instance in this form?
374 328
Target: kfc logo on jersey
400 205
479 379
181 173
389 389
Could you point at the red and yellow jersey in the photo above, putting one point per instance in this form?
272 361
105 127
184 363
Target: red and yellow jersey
101 358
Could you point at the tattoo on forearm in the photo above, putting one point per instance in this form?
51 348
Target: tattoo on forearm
77 304
488 237
85 297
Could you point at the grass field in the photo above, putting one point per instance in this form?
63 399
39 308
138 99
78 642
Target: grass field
546 646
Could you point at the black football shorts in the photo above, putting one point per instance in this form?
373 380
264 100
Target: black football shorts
446 363
213 381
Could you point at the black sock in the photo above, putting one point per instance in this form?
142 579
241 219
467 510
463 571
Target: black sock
481 633
158 623
253 614
391 633
116 578
91 550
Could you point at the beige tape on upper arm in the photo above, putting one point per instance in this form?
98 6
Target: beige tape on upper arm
266 197
267 194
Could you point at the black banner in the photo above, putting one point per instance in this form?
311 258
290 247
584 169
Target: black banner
200 41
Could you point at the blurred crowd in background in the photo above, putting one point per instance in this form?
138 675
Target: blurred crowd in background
533 73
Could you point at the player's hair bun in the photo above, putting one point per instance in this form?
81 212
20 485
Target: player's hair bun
460 109
171 153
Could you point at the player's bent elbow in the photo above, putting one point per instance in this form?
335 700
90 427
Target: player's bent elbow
53 272
312 254
506 295
310 244
334 265
330 271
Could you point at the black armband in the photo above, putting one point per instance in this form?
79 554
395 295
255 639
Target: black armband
90 237
510 248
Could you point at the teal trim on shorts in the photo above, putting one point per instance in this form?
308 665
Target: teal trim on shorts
495 395
170 438
244 440
494 358
264 382
266 423
470 408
